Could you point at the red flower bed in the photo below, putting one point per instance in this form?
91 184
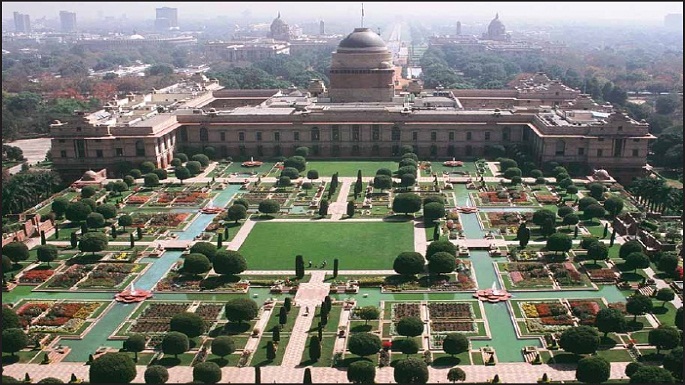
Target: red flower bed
137 199
546 198
453 326
516 277
550 309
491 197
36 276
557 320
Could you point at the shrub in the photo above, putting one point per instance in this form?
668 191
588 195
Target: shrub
223 346
364 344
112 368
190 324
410 326
202 158
411 371
408 263
241 309
156 374
207 372
361 372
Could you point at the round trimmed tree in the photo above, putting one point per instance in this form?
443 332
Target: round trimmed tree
10 319
112 368
580 340
223 346
559 242
93 242
456 374
364 344
156 374
409 263
16 251
455 343
95 220
405 345
236 212
190 324
409 326
59 206
664 337
269 206
638 304
610 321
648 374
368 313
630 247
47 253
593 370
207 373
207 249
673 362
241 309
361 372
13 340
136 344
406 203
441 263
411 371
175 343
229 262
440 246
433 211
196 263
107 210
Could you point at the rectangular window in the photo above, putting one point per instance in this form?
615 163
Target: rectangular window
396 134
451 137
636 152
434 136
62 141
487 135
355 149
468 135
581 151
335 134
335 150
222 136
415 135
277 136
525 134
99 154
600 153
618 147
395 150
63 154
355 133
241 136
119 151
296 136
376 134
259 136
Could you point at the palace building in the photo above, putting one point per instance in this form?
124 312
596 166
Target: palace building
359 116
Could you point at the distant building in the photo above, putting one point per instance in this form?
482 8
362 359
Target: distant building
67 21
322 28
673 21
22 23
245 51
136 40
458 28
496 31
279 29
166 19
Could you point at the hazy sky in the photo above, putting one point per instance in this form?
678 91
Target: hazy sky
317 10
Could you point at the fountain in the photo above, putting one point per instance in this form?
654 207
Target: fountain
453 163
132 295
492 295
252 163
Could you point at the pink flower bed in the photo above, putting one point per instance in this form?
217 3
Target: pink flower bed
516 277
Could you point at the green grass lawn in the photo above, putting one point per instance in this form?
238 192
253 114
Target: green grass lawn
665 314
273 246
259 355
274 319
349 168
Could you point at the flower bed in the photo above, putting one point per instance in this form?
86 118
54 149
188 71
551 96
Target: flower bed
108 275
536 326
29 311
400 310
494 197
69 277
602 275
565 274
175 281
66 317
136 199
543 309
150 326
503 218
209 312
36 276
164 310
585 311
450 310
545 198
454 326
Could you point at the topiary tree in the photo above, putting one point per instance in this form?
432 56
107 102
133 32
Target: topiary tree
411 371
190 324
614 205
570 220
241 310
361 372
559 242
405 345
49 380
673 362
593 370
648 374
297 162
506 163
312 174
409 263
147 167
610 321
229 262
593 211
236 212
270 351
364 344
175 162
78 211
10 319
441 263
407 180
13 340
636 261
269 206
129 180
194 167
564 211
638 304
59 206
93 242
302 151
9 380
156 374
440 246
323 208
136 173
384 171
598 251
382 181
668 263
679 318
585 202
409 326
125 220
456 374
181 156
223 346
455 343
433 211
580 340
112 368
629 247
664 337
523 235
182 173
88 191
665 294
596 190
196 263
207 249
136 344
350 209
175 343
202 159
290 172
631 368
207 372
243 202
107 210
151 180
571 190
367 313
512 172
307 376
95 220
406 203
47 253
314 348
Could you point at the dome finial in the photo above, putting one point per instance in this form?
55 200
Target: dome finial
497 16
279 15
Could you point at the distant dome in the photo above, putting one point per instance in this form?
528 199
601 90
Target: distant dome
362 39
496 27
89 175
136 37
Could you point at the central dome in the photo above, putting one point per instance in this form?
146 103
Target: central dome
362 39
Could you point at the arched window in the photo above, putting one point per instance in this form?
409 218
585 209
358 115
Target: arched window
204 135
140 148
560 147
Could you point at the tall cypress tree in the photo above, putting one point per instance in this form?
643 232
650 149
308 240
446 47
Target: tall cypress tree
314 348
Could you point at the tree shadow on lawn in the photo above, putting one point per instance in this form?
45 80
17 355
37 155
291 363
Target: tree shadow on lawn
349 360
230 329
606 343
653 357
634 326
219 361
361 329
446 361
398 218
167 362
564 358
9 360
217 281
659 310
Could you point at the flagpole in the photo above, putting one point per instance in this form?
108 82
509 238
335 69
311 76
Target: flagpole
362 15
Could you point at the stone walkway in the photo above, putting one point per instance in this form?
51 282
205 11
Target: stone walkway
420 241
338 208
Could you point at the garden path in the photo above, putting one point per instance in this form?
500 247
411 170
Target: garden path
339 208
241 235
420 241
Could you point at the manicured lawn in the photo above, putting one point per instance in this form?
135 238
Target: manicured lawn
349 168
273 246
665 315
326 359
274 319
615 355
259 356
20 357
